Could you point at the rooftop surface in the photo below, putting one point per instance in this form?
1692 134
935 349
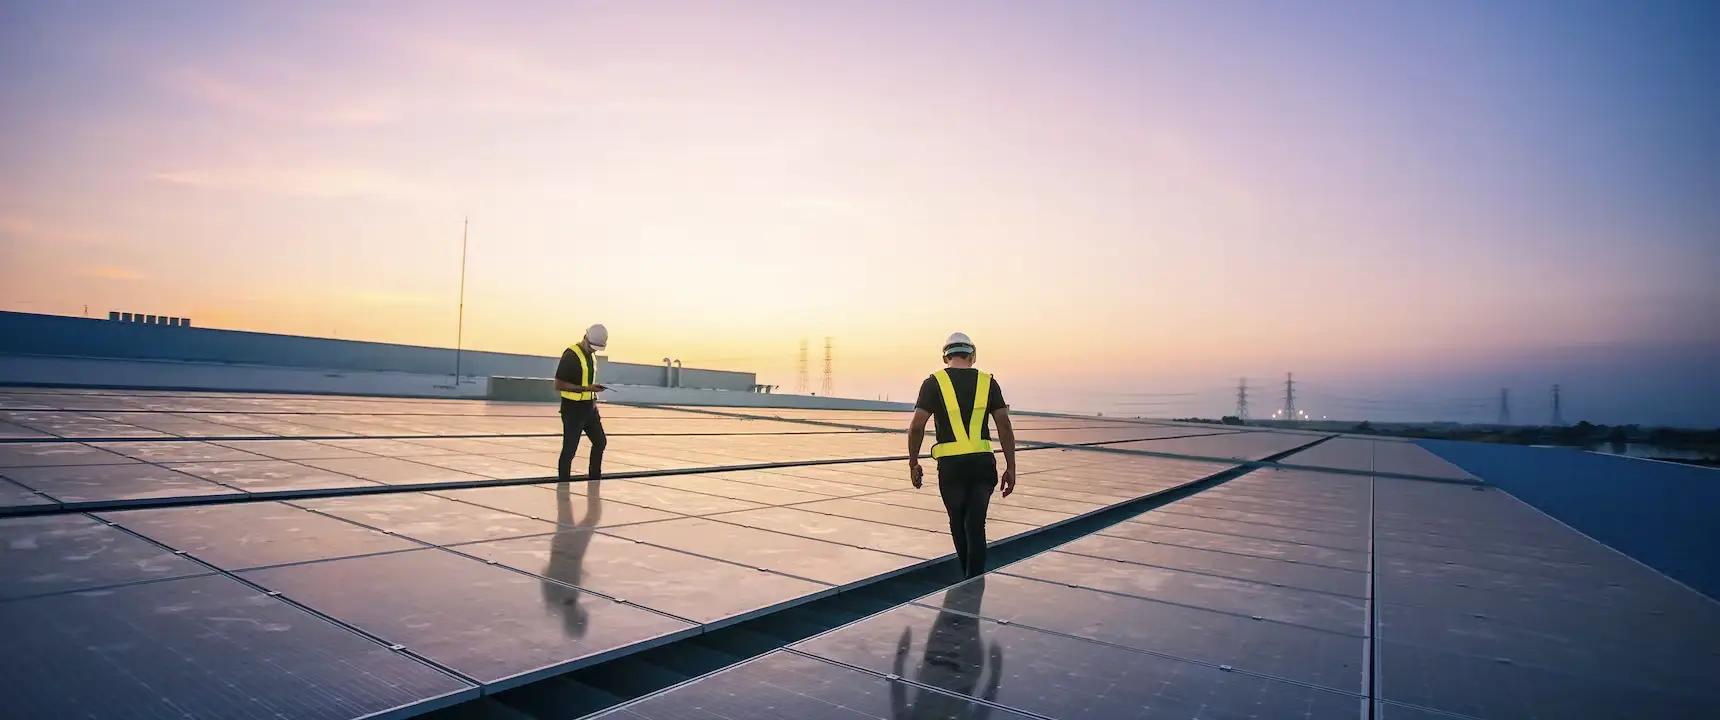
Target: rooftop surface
232 555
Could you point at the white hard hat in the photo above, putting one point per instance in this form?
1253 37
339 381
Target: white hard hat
958 343
597 336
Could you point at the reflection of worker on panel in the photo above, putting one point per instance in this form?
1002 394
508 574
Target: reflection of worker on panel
955 659
567 556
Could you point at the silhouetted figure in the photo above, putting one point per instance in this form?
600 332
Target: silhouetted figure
955 660
567 556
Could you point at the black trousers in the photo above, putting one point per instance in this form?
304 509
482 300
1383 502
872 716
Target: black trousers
966 483
581 418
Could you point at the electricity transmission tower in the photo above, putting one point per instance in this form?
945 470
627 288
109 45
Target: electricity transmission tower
829 382
1504 406
1289 396
800 385
1558 412
1242 398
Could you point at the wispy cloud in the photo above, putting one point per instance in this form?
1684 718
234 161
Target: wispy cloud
322 182
281 100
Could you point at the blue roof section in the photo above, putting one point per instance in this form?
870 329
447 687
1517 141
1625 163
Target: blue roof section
1662 514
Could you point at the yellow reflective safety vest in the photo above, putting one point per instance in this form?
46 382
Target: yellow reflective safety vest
968 438
587 375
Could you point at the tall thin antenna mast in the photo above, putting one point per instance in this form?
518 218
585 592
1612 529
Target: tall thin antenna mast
460 325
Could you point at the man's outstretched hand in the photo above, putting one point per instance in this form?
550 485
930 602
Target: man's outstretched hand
1008 481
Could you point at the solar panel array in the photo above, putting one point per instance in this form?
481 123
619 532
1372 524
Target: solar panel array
383 557
354 604
1276 594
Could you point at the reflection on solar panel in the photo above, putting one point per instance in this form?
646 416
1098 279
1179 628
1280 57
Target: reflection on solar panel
1239 446
378 557
1383 456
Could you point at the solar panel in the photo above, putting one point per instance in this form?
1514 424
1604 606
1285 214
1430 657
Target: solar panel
157 650
912 542
1325 611
1056 675
293 449
491 466
129 481
1248 598
1259 531
13 494
721 485
65 553
8 431
1326 659
1221 510
78 425
428 518
1378 456
247 535
1241 545
489 623
787 554
786 686
687 586
1241 446
681 502
929 520
256 476
1270 571
30 454
1107 434
786 479
1515 617
547 502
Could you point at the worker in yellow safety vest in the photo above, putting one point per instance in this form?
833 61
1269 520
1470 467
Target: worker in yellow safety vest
576 380
962 399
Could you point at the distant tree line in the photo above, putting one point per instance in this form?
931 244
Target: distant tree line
1582 434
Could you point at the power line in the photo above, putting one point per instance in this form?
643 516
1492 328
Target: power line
1402 404
1242 398
1289 396
1558 410
1504 406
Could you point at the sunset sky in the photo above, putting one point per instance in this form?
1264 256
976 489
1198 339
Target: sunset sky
1409 203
